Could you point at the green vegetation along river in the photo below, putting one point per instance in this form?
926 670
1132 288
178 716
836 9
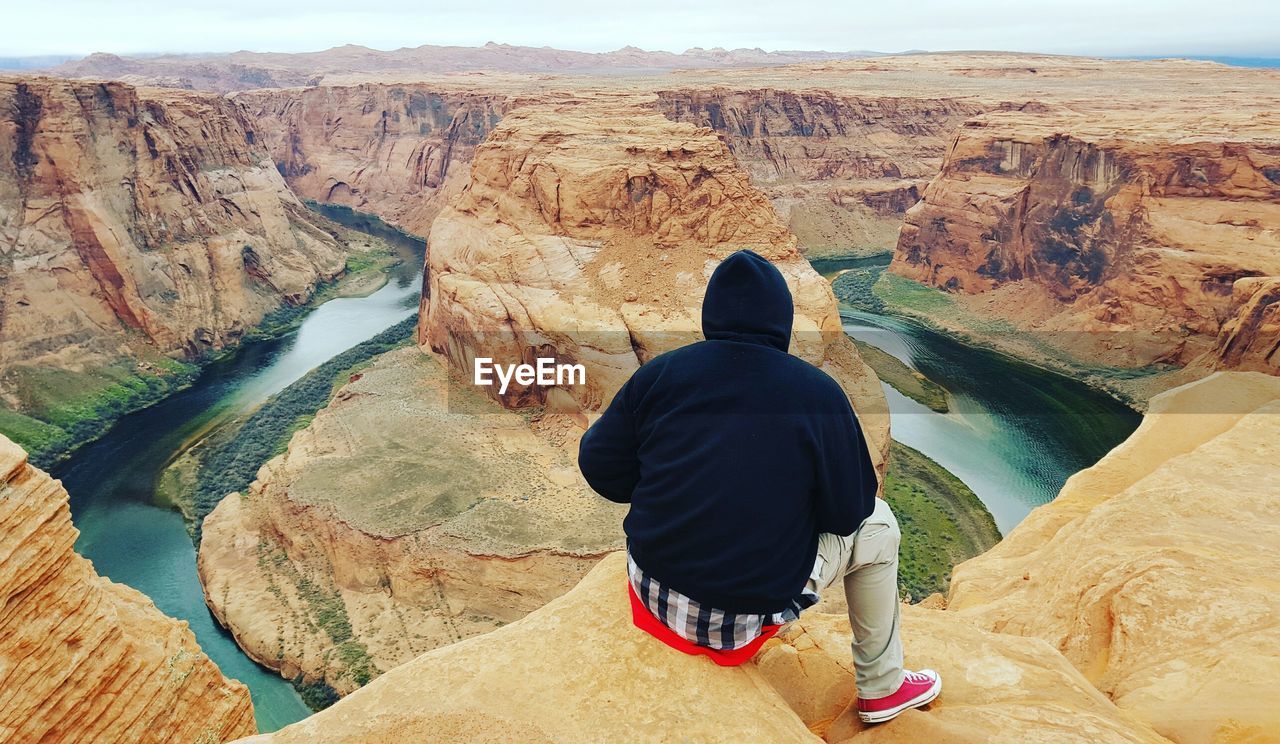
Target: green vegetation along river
112 481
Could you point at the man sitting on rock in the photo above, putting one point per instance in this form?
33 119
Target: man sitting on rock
751 492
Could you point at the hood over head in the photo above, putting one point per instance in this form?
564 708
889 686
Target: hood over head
747 300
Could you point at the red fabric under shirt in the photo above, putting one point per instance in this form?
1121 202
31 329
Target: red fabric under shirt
644 620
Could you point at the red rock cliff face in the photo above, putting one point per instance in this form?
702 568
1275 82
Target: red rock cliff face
127 212
82 658
398 151
1155 246
842 168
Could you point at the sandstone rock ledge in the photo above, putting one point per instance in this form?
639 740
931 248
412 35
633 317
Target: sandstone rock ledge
83 659
1157 571
577 670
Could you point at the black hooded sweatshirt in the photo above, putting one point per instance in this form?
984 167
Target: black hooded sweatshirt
733 454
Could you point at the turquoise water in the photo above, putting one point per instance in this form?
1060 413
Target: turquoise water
112 481
1015 432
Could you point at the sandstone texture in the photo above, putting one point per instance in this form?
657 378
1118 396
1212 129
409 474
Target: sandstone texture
82 658
1123 243
412 513
137 223
1155 571
399 151
578 670
588 232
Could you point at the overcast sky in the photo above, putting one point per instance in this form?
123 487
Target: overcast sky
1105 27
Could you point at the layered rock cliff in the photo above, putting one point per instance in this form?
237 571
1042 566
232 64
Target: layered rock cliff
1125 247
1154 572
842 169
417 510
82 658
136 224
399 151
588 232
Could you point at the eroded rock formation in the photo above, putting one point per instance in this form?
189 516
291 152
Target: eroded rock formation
139 222
399 151
842 169
1153 571
588 232
578 670
1123 246
85 659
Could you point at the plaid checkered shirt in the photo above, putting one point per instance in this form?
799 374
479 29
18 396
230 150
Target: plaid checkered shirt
704 626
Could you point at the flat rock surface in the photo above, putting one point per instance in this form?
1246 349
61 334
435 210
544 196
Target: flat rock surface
1155 571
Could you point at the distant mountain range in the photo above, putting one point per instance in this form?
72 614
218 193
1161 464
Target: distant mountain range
244 70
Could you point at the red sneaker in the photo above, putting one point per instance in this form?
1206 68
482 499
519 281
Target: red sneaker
918 688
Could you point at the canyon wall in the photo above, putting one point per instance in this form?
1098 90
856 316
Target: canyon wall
398 151
1125 246
85 659
416 510
136 224
588 232
841 168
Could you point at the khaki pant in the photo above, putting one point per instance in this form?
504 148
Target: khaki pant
867 560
